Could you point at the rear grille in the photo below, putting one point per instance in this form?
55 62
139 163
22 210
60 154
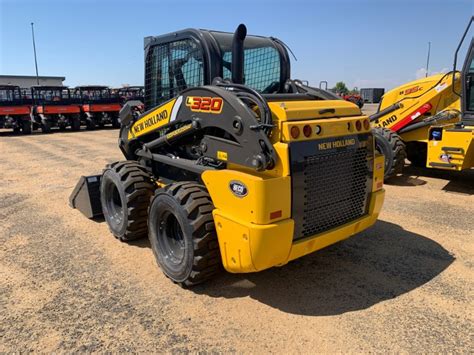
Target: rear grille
330 188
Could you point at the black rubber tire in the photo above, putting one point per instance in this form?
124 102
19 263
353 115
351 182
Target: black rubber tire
125 192
26 126
393 148
91 124
185 207
417 153
75 123
115 122
46 126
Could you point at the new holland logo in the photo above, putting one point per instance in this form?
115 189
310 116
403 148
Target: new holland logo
151 121
238 188
341 143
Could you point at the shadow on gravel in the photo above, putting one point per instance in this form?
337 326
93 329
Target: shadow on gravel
384 262
458 181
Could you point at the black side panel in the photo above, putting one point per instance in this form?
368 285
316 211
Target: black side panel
331 182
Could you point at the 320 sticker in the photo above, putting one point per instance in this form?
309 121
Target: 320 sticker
205 104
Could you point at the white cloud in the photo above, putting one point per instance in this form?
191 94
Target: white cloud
421 73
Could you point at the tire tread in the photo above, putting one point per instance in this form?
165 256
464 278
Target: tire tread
139 187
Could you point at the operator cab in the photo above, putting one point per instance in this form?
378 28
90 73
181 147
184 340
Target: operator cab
10 95
190 58
130 93
50 95
95 94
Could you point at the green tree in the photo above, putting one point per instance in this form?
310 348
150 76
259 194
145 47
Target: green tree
340 88
354 91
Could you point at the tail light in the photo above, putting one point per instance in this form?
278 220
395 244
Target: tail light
366 125
295 132
307 131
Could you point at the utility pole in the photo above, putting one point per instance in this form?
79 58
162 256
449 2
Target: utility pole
34 51
428 58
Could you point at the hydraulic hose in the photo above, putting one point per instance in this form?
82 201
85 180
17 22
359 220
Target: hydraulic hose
384 112
440 116
245 92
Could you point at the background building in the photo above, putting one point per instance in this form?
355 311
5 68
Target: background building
26 81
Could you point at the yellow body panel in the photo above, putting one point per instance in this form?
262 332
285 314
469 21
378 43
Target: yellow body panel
303 110
265 195
250 240
455 151
379 163
247 247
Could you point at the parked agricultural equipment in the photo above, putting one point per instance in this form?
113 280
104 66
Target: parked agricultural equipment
131 93
351 97
98 105
54 107
430 121
234 164
15 109
354 98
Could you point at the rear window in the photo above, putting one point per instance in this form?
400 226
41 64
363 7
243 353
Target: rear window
262 67
7 95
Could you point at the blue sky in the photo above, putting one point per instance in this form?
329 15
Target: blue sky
367 43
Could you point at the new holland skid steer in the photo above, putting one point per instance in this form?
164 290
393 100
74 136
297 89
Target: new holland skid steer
429 120
249 172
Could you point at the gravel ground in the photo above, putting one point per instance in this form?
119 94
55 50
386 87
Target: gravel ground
404 285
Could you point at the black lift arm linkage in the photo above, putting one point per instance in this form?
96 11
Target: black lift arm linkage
231 132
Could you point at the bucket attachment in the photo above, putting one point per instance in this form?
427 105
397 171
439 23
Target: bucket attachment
86 196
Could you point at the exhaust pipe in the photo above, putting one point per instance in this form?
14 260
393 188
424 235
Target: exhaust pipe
238 54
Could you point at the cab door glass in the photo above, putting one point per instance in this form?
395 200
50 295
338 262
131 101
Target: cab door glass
470 84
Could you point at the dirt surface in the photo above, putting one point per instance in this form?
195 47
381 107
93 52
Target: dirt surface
67 285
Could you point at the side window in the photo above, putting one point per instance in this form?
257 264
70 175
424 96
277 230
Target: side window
171 68
261 68
156 85
470 84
